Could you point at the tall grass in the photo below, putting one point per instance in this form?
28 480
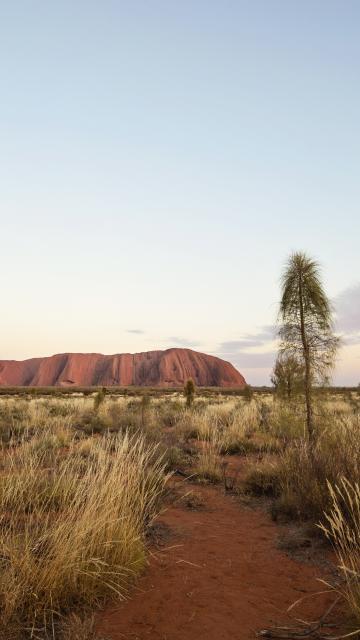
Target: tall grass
79 483
233 426
304 472
342 526
72 527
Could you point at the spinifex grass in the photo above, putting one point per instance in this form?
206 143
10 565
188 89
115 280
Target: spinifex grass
342 527
71 529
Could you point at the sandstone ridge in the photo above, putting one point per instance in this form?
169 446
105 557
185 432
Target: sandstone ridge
169 368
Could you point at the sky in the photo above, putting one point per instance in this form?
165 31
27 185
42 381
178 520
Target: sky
160 160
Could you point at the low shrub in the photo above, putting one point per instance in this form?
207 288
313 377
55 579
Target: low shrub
175 458
306 471
263 479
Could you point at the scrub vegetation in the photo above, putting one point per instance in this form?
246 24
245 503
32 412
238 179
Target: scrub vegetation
83 473
81 481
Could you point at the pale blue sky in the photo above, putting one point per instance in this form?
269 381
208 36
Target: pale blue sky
159 161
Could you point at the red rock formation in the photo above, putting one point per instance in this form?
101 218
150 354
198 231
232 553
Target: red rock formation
170 368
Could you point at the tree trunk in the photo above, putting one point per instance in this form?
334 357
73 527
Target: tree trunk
288 384
308 398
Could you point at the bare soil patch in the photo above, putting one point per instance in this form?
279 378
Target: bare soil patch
218 573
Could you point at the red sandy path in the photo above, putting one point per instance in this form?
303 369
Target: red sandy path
226 580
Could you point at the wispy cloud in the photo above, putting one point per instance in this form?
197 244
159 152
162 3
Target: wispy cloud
351 339
235 345
255 354
246 360
268 333
183 342
347 307
137 331
244 352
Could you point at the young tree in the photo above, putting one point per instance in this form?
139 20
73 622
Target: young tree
189 391
287 376
248 393
99 398
145 404
306 330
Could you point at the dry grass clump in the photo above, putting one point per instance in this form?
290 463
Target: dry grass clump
74 627
71 528
220 414
191 424
286 422
176 458
13 420
342 527
233 419
22 419
298 477
263 479
94 414
120 416
208 466
170 412
234 426
305 471
237 430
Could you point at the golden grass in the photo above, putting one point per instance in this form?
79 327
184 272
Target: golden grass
80 480
208 465
342 526
72 527
304 472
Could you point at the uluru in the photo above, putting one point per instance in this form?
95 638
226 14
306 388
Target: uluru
169 368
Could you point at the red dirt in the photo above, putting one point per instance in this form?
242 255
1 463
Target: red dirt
170 368
219 576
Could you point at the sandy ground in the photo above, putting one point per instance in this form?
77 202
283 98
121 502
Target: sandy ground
215 573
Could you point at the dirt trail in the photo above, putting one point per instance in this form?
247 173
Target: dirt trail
219 576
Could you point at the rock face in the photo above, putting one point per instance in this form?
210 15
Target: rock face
170 368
